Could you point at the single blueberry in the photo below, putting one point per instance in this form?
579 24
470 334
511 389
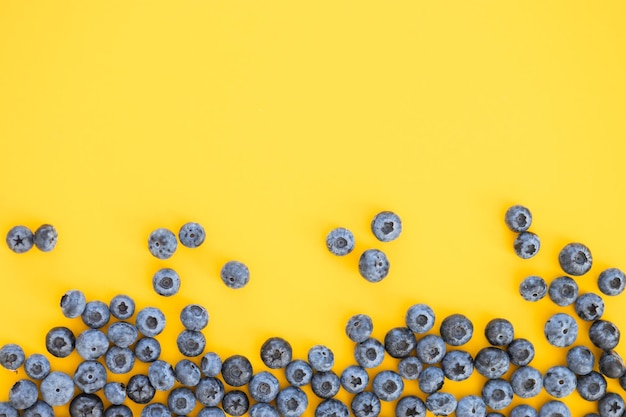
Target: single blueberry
46 237
150 321
122 334
96 314
211 364
37 366
276 353
575 259
263 387
191 235
331 408
210 391
388 385
386 226
235 403
139 389
122 307
147 349
559 381
325 384
340 241
420 318
563 291
526 382
589 306
497 393
492 362
84 405
580 360
518 218
611 281
23 394
181 401
73 303
235 274
611 364
155 410
194 317
166 282
236 370
410 368
191 343
263 410
20 239
526 245
298 373
354 379
554 408
39 409
533 288
359 327
431 380
57 388
365 404
60 342
591 386
118 411
400 342
7 410
92 344
187 373
11 356
373 265
457 365
370 353
611 405
90 376
523 410
161 375
521 351
291 402
321 358
561 330
115 392
471 406
499 332
441 403
431 349
456 329
604 334
410 406
162 243
211 412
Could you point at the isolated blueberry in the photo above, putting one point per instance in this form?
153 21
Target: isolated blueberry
92 344
139 389
291 402
386 226
20 239
11 356
122 307
456 329
359 327
523 410
57 388
155 410
298 373
431 380
410 368
533 288
410 406
354 379
559 381
580 360
211 412
7 410
210 391
90 376
497 393
147 349
150 321
23 394
420 318
518 218
589 306
236 370
611 281
37 366
400 342
492 362
611 405
263 387
118 411
563 291
263 410
611 364
441 403
194 317
60 342
388 385
321 358
554 408
325 384
46 237
526 382
235 274
575 259
365 404
115 392
276 353
39 409
73 303
561 330
331 408
591 386
161 375
84 405
431 349
96 314
191 235
166 282
521 351
604 334
211 364
122 334
187 373
526 245
369 353
373 265
181 401
340 241
235 403
499 332
457 365
162 243
471 406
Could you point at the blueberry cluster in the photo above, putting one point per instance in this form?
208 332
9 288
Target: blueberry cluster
518 219
21 239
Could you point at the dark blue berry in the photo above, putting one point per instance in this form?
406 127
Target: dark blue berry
276 353
580 360
359 327
431 380
533 288
400 342
365 404
60 342
46 237
410 368
354 379
161 375
518 218
57 388
92 344
521 351
611 405
11 356
471 406
122 334
604 334
321 358
291 402
187 373
166 282
410 406
139 389
115 392
191 235
575 259
37 366
331 408
554 408
388 385
211 364
499 332
298 373
559 381
263 387
441 403
147 349
526 245
370 353
96 314
162 243
150 321
492 362
20 239
122 307
611 281
237 370
386 226
497 393
23 394
563 291
591 386
194 317
340 241
561 330
235 274
373 265
325 384
431 349
90 376
457 365
456 329
181 401
86 405
210 391
611 364
526 382
73 303
420 318
589 306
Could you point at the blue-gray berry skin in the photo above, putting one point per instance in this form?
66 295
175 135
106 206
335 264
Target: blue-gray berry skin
194 317
373 265
400 342
554 408
20 239
147 349
523 410
611 281
420 318
388 385
181 401
37 366
263 387
263 410
604 334
86 405
23 394
298 373
150 321
370 353
492 362
187 373
340 241
611 405
591 386
7 410
386 226
46 237
410 368
162 243
521 351
563 291
321 358
499 332
276 353
410 406
96 314
211 364
580 360
122 334
611 364
191 343
115 392
120 410
431 349
456 329
60 341
139 389
471 406
235 403
354 379
441 403
92 344
431 380
191 235
90 376
166 282
526 382
559 381
533 288
211 412
457 365
236 370
161 375
526 245
325 384
359 327
235 274
209 391
575 259
73 303
518 218
497 393
57 388
122 307
561 330
332 408
155 410
365 404
291 402
39 409
11 356
589 306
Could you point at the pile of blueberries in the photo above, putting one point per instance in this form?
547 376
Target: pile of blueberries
114 341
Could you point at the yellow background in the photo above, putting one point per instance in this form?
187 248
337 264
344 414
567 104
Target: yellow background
272 122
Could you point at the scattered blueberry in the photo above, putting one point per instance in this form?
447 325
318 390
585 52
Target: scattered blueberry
139 389
7 410
554 408
471 406
321 358
122 307
194 317
611 405
354 379
191 235
589 306
276 353
365 404
611 282
147 349
181 401
263 387
410 368
492 362
456 329
291 402
37 366
210 391
90 376
115 392
388 385
57 388
237 370
580 360
155 409
161 375
431 380
497 393
611 364
92 344
118 411
96 314
235 274
298 373
523 410
150 321
575 259
11 356
331 408
386 226
559 381
591 386
563 291
604 334
263 410
191 343
457 365
73 303
561 330
359 327
431 349
420 318
211 412
162 243
533 288
526 245
187 373
499 332
166 282
20 239
373 265
400 342
39 409
86 405
211 364
410 406
46 237
441 403
122 334
526 382
521 351
23 394
325 384
518 218
340 241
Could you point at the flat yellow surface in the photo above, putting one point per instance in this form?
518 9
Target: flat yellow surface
272 122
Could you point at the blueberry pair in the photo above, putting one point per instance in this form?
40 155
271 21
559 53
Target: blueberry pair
162 242
518 219
21 239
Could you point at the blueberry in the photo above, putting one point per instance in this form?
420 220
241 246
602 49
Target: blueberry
561 330
359 327
237 370
211 412
325 384
499 332
115 392
431 380
575 259
533 288
23 394
7 410
321 358
441 403
264 387
497 393
122 307
191 343
209 391
139 389
410 406
291 402
559 381
263 410
410 368
492 362
37 366
370 353
73 303
386 226
235 403
523 410
521 351
471 406
365 404
92 344
589 306
276 353
373 265
118 411
526 382
57 388
96 314
155 410
187 373
580 360
331 408
194 317
340 241
46 237
122 334
20 239
11 356
388 385
147 349
84 405
611 405
591 386
162 243
211 364
611 281
456 329
457 365
90 376
235 274
554 408
400 342
354 379
420 318
191 235
611 364
181 401
150 321
563 291
166 282
39 409
161 375
604 334
526 245
298 373
60 342
518 218
431 349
